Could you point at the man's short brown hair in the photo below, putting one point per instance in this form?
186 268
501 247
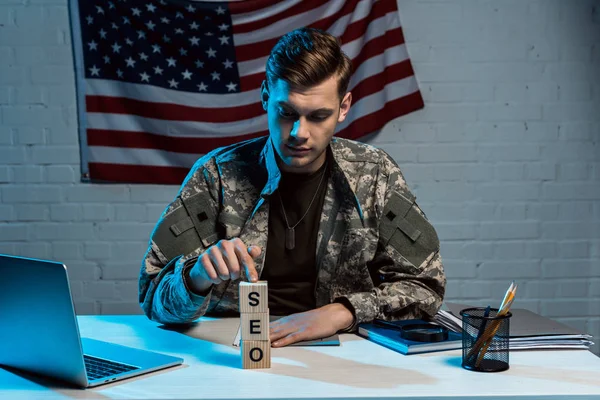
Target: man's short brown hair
306 57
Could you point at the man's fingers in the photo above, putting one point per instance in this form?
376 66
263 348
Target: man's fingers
254 251
287 340
244 256
209 269
276 334
217 260
229 253
251 272
273 337
225 261
280 328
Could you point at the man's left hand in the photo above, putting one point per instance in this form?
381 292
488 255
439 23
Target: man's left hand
309 325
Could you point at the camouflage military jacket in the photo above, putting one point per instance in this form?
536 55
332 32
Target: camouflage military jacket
375 248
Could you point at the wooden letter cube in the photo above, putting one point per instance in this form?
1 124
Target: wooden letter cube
255 326
254 297
256 354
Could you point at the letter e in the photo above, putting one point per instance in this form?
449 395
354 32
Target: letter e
255 326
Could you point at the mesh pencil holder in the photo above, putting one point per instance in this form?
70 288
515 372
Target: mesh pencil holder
485 340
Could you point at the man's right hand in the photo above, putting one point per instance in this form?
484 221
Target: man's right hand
223 261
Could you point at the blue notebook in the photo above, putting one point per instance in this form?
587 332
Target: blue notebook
391 339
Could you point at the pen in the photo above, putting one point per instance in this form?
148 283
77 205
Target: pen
486 314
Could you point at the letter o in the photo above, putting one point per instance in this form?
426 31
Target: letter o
260 354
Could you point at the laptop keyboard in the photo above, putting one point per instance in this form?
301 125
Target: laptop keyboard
98 368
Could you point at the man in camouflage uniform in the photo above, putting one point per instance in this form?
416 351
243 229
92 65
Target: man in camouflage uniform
353 248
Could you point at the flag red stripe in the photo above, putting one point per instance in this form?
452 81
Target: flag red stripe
251 51
375 121
145 140
377 46
359 28
247 52
251 82
299 8
376 83
101 172
245 6
169 111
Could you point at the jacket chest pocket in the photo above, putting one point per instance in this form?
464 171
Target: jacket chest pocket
357 248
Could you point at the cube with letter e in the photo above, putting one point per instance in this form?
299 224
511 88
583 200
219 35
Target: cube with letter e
255 326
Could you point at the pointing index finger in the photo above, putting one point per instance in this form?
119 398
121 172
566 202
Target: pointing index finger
251 273
244 255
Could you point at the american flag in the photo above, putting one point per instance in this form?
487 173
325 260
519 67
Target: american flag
162 82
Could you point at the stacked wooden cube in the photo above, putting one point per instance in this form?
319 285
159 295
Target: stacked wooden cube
254 315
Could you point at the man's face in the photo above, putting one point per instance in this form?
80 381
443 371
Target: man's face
302 122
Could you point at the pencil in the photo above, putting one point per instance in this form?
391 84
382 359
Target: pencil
505 307
483 341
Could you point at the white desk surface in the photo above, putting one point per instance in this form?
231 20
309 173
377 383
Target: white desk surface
357 369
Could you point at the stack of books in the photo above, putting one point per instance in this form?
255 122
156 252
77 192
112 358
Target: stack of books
528 330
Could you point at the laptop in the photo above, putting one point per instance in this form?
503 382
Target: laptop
39 331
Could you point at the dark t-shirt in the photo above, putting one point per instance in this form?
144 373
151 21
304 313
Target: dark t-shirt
291 274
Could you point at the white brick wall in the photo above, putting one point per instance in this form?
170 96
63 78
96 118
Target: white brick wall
504 158
510 178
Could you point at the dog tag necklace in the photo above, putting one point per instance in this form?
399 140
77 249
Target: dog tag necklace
290 233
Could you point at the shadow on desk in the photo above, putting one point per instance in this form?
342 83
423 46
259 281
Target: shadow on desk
38 382
213 344
209 330
210 334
